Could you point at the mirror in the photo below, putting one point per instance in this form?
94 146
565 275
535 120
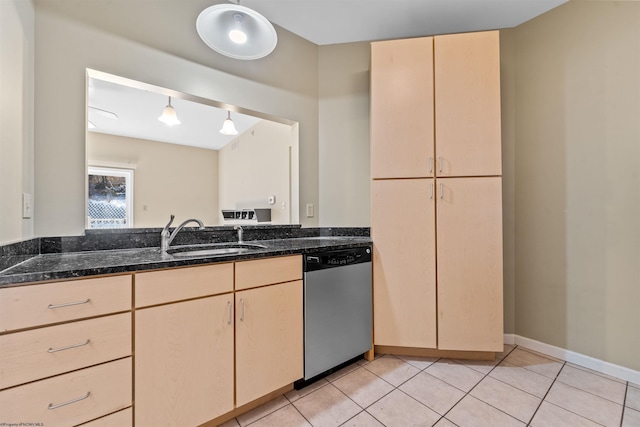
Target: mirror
141 170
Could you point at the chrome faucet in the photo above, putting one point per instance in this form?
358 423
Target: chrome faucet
166 237
240 231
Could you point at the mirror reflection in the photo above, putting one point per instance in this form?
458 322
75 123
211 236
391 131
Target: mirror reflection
152 152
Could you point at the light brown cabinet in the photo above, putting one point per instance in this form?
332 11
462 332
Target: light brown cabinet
184 362
65 350
437 228
269 339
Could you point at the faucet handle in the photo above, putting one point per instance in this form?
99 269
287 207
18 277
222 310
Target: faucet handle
165 230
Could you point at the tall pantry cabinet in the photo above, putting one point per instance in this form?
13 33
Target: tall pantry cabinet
436 193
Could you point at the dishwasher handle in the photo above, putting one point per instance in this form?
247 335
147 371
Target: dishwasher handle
337 258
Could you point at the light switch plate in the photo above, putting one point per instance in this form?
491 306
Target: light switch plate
272 200
309 210
27 205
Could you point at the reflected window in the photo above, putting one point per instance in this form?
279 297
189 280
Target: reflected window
110 202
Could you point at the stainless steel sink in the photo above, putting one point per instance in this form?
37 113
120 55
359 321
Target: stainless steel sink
214 250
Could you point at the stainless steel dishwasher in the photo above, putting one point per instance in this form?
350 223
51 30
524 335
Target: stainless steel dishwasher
337 308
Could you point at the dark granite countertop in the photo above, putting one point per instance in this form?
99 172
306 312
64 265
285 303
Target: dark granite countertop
66 265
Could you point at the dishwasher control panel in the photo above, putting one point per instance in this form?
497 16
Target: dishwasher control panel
338 258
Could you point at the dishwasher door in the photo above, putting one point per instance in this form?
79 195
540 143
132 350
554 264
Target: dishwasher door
338 317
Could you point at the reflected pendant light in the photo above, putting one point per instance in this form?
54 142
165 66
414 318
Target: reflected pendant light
169 116
228 128
236 31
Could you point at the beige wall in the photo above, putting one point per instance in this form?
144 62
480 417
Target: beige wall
343 157
577 179
187 188
16 116
255 166
284 84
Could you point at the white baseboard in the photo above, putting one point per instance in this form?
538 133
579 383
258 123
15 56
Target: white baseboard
589 362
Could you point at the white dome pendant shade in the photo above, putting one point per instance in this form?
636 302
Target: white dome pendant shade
169 116
228 128
236 31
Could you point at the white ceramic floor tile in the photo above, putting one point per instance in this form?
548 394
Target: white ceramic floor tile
391 369
534 362
507 349
445 423
231 423
342 372
524 379
419 362
363 419
482 366
471 412
631 418
294 395
327 406
261 411
399 410
286 416
363 387
432 392
550 415
610 377
592 383
515 402
587 405
633 398
455 374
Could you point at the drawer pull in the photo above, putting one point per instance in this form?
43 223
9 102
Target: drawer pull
52 406
55 350
68 304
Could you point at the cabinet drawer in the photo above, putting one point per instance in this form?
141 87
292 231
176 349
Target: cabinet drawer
72 398
39 353
267 271
28 306
120 419
159 287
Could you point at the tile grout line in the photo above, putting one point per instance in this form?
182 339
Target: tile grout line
624 403
546 394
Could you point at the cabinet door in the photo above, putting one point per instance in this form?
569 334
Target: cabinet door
268 339
469 212
467 104
402 108
404 278
184 362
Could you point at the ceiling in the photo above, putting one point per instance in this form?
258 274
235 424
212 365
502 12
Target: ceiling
322 22
326 22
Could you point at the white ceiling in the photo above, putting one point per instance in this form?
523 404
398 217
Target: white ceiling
341 21
319 21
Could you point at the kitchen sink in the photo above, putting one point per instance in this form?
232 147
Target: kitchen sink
214 250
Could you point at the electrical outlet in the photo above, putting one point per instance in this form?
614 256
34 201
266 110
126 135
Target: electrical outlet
309 210
272 200
27 205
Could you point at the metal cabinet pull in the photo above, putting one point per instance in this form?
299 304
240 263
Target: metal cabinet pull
441 191
68 304
441 162
430 164
52 406
55 350
242 309
230 313
431 191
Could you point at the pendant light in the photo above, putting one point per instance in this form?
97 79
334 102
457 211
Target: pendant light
236 31
169 116
228 128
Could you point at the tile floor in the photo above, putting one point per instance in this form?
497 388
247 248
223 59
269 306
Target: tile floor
519 388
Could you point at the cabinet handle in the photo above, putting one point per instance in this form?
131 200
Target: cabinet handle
241 309
441 191
430 164
431 191
52 406
55 350
68 304
230 313
441 163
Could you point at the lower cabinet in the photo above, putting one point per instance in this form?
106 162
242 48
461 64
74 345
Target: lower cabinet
184 362
269 339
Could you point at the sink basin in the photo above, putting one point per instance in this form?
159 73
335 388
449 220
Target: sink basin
214 250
